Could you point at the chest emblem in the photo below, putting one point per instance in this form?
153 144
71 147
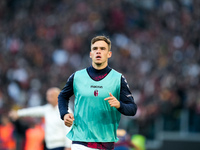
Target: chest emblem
96 92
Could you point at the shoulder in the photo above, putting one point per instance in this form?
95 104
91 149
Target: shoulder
116 73
80 72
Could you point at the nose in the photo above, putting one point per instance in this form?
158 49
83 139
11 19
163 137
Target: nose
98 51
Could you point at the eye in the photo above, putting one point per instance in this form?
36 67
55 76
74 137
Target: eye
94 48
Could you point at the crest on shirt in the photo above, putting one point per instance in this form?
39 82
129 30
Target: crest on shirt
96 92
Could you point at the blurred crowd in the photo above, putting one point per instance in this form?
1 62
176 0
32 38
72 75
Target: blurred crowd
155 44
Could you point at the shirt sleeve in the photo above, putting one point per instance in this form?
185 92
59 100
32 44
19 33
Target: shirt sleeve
127 104
64 96
37 111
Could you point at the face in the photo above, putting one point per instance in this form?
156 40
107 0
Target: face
99 54
52 97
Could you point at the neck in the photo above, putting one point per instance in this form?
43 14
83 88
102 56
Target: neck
97 70
99 66
54 105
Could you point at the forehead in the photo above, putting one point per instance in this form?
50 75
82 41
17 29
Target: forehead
49 92
100 44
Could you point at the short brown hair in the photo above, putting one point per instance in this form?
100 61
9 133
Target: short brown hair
102 38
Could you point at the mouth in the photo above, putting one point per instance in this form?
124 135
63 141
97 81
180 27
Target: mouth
98 57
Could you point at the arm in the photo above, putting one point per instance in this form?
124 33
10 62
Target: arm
63 98
32 112
127 104
28 112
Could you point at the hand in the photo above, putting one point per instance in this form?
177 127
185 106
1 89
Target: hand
13 115
67 148
113 101
69 119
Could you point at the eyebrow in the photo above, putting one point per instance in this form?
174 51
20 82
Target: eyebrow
99 47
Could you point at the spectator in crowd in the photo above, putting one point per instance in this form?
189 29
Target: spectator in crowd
34 136
55 130
7 141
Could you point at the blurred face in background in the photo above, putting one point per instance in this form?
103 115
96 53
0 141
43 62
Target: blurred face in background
52 96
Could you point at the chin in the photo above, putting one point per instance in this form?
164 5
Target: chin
98 64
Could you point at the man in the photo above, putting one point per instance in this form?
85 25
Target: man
6 133
101 96
55 130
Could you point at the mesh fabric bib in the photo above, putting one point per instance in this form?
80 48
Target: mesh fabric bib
95 120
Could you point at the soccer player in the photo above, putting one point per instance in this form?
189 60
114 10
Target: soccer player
55 130
101 96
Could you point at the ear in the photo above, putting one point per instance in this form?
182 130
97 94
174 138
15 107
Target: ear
109 54
90 55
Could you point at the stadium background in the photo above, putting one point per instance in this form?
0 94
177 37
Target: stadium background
155 44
